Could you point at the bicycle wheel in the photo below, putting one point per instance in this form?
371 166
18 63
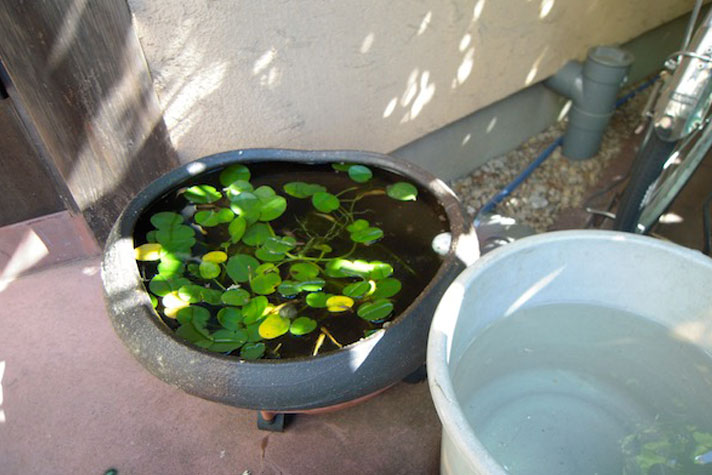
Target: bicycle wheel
659 172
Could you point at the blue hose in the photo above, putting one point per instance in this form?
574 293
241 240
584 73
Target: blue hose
512 185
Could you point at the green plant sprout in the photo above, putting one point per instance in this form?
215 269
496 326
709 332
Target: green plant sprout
255 285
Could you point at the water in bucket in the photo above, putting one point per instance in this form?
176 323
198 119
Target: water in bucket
579 388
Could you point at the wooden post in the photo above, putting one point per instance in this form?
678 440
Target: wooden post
82 83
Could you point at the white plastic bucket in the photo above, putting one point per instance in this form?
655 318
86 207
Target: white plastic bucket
666 283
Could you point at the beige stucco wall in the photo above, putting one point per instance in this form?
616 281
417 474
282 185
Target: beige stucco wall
358 74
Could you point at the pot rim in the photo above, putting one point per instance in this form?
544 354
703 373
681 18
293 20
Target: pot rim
461 247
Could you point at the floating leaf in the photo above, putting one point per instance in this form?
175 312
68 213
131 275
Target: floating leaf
154 300
177 238
360 173
237 187
347 268
376 310
325 202
233 173
380 270
274 326
358 225
248 206
367 235
166 219
161 285
189 333
211 218
299 189
202 194
279 244
217 257
237 229
225 341
265 284
317 299
357 289
272 208
230 318
252 351
339 303
387 288
196 316
402 191
191 293
341 166
151 236
257 234
325 248
254 310
148 252
264 192
265 255
312 285
170 266
302 326
304 270
209 270
173 300
240 266
211 296
237 297
288 288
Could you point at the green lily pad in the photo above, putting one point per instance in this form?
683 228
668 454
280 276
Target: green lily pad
265 255
237 297
191 293
154 300
254 310
209 270
288 288
151 236
257 234
247 205
170 266
233 173
274 326
358 225
161 285
317 299
376 310
402 191
279 244
387 288
357 289
211 218
348 268
272 208
230 318
240 266
341 166
265 284
237 187
197 317
312 285
211 296
367 235
302 326
237 228
252 351
188 332
299 189
325 202
150 251
166 219
177 238
202 194
380 270
225 341
360 173
304 270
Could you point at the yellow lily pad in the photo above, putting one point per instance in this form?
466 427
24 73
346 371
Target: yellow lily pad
273 327
173 300
148 252
218 257
339 303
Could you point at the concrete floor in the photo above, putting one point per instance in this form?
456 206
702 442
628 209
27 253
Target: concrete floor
72 399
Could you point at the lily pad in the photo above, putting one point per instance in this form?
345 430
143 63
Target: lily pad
230 318
254 310
209 270
339 303
197 317
265 255
312 285
325 202
191 293
237 229
264 192
360 173
304 270
217 257
367 235
357 289
177 238
148 252
237 297
265 283
341 166
248 206
288 288
240 266
376 310
380 270
302 326
274 326
402 191
212 218
358 225
202 194
252 351
279 244
161 285
166 219
225 341
237 187
299 189
234 173
257 234
387 288
272 208
317 299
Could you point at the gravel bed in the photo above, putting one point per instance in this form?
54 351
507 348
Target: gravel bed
558 183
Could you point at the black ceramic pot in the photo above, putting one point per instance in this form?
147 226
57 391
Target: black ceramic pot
290 385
